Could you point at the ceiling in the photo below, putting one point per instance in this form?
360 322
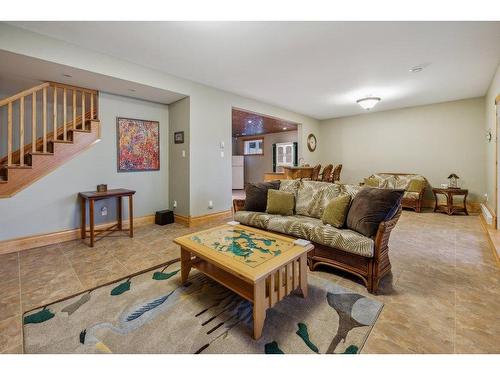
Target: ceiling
19 72
315 68
247 123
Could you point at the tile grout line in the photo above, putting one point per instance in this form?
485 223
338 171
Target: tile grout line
72 268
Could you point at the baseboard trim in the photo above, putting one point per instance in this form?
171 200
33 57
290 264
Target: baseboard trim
493 236
193 221
30 242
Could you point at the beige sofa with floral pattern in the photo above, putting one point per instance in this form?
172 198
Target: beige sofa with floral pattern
341 248
413 184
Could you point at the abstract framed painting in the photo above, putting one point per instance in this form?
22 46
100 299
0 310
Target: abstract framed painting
138 145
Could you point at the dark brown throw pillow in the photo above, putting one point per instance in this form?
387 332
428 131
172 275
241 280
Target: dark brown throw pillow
370 207
256 195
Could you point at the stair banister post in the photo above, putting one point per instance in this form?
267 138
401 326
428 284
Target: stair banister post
54 114
44 120
65 119
33 122
9 134
21 131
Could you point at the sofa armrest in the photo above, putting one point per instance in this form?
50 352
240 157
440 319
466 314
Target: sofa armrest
238 205
384 232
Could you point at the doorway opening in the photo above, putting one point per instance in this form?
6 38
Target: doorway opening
262 146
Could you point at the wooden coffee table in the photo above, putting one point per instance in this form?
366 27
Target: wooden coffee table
260 266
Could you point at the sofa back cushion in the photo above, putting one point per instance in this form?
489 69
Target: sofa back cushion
308 195
399 181
256 195
336 210
370 207
280 202
290 186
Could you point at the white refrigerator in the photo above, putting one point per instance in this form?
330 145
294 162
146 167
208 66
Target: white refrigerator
238 172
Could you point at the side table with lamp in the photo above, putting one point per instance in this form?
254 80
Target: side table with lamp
450 192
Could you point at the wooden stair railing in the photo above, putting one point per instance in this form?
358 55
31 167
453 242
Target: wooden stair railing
73 110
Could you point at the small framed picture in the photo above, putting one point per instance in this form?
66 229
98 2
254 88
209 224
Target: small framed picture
179 137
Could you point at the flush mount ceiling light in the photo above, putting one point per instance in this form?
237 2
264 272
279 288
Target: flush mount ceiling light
368 103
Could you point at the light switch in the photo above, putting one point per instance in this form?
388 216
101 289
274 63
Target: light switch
222 144
183 153
222 154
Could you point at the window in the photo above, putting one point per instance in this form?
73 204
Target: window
284 154
254 147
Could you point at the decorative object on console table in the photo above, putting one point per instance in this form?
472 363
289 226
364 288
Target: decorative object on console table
164 217
453 178
450 208
91 197
138 145
178 137
101 188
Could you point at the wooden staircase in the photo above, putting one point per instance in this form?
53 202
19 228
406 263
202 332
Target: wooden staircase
50 135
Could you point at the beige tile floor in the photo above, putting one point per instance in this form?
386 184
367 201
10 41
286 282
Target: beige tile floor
443 295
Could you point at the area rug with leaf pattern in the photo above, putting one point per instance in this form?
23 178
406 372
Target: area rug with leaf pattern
153 313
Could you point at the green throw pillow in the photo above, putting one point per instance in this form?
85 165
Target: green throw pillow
280 202
372 181
336 211
416 186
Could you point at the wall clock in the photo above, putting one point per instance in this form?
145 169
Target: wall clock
311 142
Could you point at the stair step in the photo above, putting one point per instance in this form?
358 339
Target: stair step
41 153
79 130
60 141
18 167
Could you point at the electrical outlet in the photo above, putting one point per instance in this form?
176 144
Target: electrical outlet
210 204
174 204
104 211
222 154
183 153
485 197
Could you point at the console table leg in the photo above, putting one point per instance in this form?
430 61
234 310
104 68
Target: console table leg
119 209
259 308
131 215
83 227
91 218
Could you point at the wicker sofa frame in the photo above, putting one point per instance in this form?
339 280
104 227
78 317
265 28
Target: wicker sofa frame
370 270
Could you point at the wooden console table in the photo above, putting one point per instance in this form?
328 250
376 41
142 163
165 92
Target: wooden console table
449 208
91 197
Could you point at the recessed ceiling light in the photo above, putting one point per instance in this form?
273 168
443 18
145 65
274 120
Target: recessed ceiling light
284 128
67 75
249 121
416 69
243 133
368 102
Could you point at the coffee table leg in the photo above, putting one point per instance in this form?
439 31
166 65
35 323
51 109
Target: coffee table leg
259 308
185 264
303 275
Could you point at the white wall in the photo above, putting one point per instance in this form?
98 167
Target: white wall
490 124
432 140
51 204
257 165
210 111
